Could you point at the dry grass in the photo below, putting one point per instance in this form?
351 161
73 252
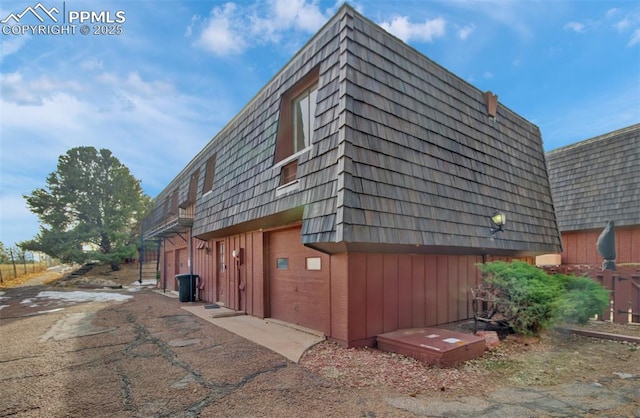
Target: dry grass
33 270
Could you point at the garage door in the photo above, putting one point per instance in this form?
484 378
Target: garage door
297 278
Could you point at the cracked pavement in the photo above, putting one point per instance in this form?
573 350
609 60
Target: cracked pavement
143 356
107 353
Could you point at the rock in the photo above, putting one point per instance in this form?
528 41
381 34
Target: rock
491 339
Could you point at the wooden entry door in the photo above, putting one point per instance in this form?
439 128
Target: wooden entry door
181 265
169 270
221 273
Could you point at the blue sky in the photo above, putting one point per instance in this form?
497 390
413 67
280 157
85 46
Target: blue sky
180 70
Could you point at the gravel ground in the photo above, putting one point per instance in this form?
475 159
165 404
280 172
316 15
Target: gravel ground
148 357
555 358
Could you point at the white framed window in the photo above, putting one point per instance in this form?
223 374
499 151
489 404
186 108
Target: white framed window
303 115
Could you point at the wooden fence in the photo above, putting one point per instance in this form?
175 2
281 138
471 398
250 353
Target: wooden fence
623 285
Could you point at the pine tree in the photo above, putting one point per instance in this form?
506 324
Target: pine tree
90 209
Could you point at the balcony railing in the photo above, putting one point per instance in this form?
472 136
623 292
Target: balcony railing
161 224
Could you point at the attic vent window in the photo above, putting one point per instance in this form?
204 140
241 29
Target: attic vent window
289 172
492 103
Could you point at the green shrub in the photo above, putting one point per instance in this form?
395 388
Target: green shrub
526 296
583 298
530 300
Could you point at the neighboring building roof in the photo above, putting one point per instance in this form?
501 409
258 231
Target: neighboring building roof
403 153
597 180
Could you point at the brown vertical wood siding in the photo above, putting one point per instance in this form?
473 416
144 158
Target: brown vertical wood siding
339 310
174 258
204 265
392 291
354 297
580 246
250 272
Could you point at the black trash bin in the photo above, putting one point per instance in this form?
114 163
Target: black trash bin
187 287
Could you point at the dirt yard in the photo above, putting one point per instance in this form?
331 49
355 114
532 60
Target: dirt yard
553 358
553 363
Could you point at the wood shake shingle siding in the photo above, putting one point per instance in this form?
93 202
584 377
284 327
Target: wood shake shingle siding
597 180
402 153
425 165
246 178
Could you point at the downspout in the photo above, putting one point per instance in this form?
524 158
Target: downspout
164 281
191 281
158 262
141 256
191 251
240 287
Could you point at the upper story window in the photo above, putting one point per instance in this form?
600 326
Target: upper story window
174 202
208 174
303 110
190 197
193 184
171 204
297 116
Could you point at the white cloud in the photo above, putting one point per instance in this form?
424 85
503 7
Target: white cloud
575 26
121 113
612 12
147 88
407 31
32 92
233 28
630 23
465 31
623 24
283 15
488 75
512 14
12 45
297 14
222 32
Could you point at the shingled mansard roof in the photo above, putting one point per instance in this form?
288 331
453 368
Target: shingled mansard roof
403 153
597 180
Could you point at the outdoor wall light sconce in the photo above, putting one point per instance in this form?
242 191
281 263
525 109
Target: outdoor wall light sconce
498 219
237 255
